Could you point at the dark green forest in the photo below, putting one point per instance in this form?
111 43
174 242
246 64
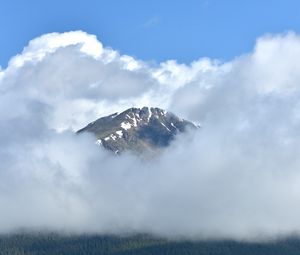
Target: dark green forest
54 244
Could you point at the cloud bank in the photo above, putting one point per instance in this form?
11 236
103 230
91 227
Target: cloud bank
239 177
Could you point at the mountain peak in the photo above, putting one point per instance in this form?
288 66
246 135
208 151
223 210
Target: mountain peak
137 129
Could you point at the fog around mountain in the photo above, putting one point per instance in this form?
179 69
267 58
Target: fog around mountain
237 178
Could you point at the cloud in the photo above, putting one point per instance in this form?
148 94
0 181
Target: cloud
151 22
238 177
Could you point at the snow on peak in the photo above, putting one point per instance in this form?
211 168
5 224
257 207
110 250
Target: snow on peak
119 133
99 142
165 126
149 113
126 125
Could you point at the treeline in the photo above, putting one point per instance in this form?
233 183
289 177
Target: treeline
54 244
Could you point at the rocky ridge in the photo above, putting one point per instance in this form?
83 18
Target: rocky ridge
137 129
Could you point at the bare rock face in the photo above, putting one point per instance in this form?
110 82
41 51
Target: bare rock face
137 129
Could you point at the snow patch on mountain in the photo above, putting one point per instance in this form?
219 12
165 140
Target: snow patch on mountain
125 125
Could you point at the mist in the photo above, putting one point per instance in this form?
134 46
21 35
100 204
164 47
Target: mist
237 177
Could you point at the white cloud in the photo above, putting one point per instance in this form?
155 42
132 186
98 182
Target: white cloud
274 63
40 47
239 177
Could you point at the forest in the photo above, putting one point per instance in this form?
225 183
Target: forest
56 244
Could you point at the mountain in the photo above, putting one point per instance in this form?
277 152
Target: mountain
137 129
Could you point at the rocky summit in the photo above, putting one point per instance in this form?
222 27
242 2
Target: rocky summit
137 129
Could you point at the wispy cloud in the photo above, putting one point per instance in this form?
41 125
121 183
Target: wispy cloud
153 21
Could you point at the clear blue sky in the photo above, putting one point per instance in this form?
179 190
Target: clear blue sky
151 29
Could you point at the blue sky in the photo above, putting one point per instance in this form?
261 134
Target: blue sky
154 30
